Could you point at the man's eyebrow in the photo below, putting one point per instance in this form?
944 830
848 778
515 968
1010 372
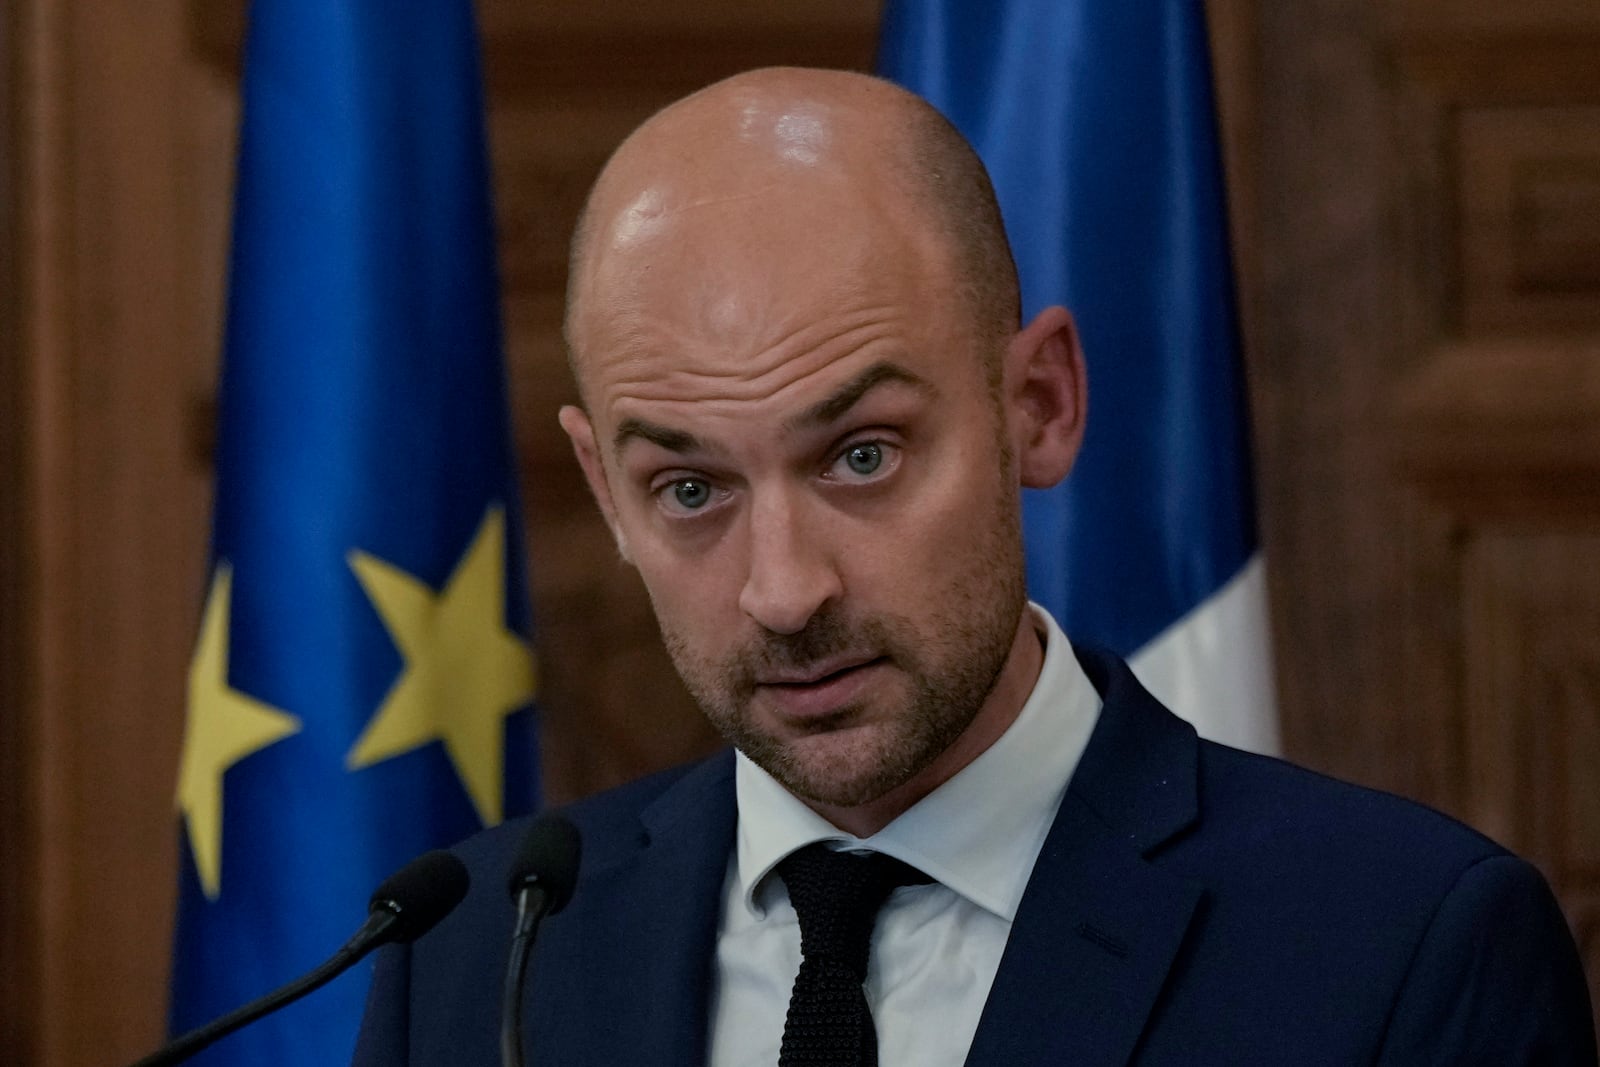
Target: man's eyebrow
834 407
662 436
821 413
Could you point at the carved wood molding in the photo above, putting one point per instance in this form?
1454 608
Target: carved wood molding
1504 101
1469 50
1506 432
1527 193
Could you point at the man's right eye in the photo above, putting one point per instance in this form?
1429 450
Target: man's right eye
691 492
685 494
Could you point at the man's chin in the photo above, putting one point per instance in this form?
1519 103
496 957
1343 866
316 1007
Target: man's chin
844 767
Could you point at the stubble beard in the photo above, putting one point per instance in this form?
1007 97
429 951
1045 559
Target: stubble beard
949 659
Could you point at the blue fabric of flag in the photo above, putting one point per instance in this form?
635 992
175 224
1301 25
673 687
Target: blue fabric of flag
1095 119
362 409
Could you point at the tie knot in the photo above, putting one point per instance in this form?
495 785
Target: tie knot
836 896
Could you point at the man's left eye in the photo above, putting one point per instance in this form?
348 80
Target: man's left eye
864 458
864 462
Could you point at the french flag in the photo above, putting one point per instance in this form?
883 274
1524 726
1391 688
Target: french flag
1097 123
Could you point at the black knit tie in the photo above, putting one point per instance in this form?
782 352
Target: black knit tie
836 896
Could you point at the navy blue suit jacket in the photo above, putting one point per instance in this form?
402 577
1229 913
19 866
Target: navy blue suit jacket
1192 905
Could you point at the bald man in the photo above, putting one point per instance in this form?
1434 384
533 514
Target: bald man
809 408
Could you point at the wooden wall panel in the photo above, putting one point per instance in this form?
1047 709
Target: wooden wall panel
113 341
1428 390
1506 432
1474 20
1496 418
1328 347
18 843
114 191
1503 438
1529 217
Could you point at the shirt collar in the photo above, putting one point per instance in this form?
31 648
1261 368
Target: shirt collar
980 832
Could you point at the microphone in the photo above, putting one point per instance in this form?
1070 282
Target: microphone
407 905
541 882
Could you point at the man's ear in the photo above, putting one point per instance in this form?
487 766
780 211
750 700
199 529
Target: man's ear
1045 396
581 432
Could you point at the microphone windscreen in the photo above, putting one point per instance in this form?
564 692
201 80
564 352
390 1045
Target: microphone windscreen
548 858
420 894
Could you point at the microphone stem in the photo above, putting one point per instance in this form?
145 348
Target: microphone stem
351 951
532 900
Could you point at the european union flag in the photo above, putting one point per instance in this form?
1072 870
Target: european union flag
1096 121
361 689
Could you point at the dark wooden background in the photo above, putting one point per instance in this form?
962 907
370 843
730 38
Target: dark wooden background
1416 186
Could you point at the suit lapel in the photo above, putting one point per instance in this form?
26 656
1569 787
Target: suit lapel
1099 926
650 932
1094 938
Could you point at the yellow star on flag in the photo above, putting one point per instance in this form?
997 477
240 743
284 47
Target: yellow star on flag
464 670
223 726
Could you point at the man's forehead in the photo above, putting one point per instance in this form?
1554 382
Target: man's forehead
722 183
783 369
732 284
742 221
742 331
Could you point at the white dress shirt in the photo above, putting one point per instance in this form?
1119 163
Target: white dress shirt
936 947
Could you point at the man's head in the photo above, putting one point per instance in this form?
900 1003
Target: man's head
808 414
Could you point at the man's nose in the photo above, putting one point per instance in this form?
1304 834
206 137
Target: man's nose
791 573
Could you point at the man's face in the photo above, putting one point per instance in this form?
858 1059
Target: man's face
792 434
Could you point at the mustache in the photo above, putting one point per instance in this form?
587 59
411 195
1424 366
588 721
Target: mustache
826 635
